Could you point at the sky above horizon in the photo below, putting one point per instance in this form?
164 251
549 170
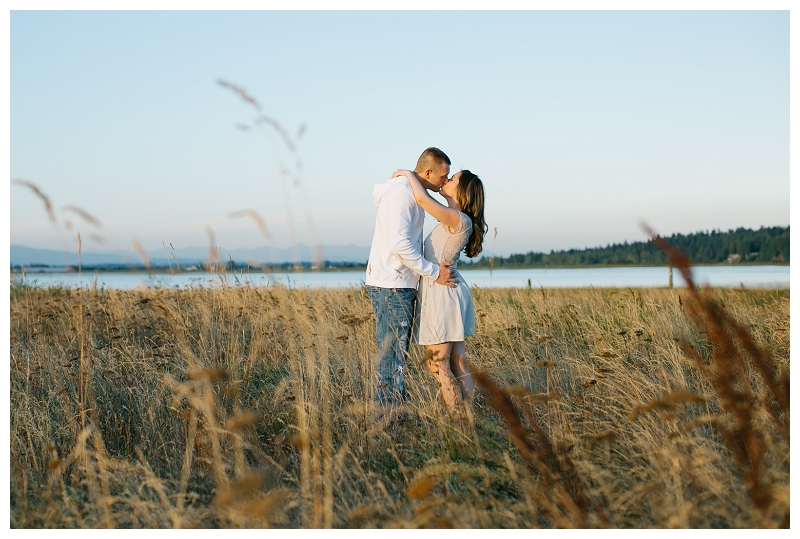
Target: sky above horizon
582 124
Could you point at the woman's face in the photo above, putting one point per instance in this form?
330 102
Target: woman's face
450 186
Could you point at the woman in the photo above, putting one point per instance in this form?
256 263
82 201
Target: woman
446 315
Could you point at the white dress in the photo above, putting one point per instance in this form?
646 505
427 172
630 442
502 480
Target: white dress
444 314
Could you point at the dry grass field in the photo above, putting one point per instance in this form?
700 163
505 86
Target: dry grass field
251 407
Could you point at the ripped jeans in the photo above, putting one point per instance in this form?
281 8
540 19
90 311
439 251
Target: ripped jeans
394 315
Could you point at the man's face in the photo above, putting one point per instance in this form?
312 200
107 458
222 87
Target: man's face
438 177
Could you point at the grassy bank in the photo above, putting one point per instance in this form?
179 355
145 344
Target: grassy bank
251 407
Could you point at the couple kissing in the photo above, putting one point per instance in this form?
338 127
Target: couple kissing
417 294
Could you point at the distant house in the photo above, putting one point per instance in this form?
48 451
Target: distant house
733 258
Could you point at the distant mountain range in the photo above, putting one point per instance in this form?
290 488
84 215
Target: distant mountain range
767 245
27 256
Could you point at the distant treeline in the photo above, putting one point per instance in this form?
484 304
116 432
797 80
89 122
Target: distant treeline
197 266
765 245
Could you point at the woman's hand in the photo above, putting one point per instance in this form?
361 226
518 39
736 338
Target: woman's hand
444 213
419 192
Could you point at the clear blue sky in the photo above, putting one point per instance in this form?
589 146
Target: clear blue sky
580 123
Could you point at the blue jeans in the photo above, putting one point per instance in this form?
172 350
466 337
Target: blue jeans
394 314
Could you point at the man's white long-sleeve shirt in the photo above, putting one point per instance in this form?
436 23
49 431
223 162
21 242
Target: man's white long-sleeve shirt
395 258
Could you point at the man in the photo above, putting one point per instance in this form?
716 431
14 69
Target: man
395 266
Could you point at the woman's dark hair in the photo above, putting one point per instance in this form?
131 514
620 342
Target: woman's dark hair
469 195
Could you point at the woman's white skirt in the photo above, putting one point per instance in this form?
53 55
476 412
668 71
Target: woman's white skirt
443 314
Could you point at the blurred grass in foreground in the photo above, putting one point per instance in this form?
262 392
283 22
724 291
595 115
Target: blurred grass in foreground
251 407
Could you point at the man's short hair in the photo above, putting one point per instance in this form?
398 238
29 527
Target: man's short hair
431 159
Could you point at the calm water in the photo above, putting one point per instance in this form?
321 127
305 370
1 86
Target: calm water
724 276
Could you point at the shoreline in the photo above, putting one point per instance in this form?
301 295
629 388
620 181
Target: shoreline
467 267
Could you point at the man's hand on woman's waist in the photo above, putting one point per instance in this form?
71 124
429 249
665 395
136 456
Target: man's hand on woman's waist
447 277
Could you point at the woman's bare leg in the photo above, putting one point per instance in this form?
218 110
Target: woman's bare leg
439 365
458 366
